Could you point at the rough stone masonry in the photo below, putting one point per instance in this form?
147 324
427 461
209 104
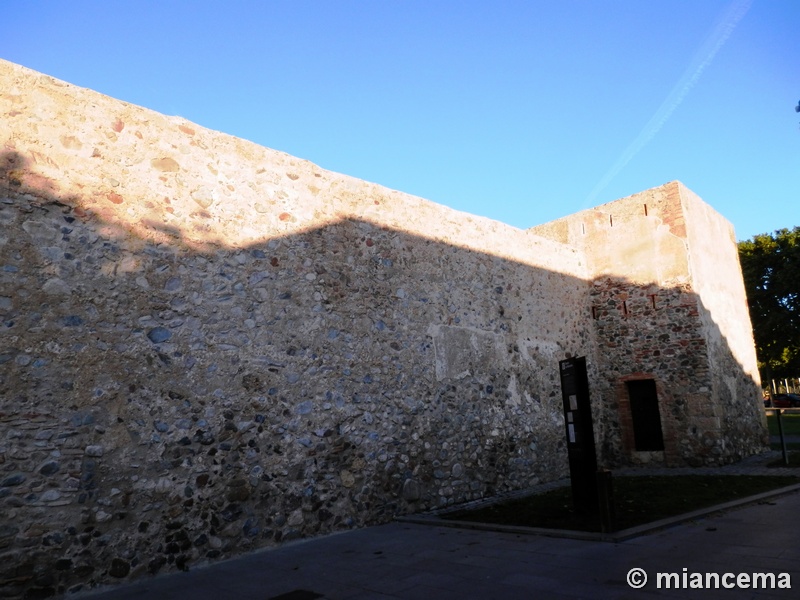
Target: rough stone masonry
207 346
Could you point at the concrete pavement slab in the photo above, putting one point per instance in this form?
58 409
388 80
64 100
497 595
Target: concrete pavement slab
408 561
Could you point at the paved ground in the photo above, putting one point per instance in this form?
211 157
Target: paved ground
410 561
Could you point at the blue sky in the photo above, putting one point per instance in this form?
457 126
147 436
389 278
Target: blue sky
519 111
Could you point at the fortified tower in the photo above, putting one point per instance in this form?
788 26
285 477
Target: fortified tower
675 354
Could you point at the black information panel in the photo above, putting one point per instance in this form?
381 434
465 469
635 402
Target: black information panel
580 435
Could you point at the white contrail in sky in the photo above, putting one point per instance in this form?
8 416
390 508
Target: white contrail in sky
702 58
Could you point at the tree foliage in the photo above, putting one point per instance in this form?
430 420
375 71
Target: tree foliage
771 270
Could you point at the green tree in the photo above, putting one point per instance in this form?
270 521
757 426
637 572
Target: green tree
771 270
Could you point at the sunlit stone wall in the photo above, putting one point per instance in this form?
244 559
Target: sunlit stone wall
209 346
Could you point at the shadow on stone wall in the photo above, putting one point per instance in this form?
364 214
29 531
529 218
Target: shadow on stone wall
163 406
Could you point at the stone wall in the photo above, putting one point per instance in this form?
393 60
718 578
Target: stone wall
714 263
209 346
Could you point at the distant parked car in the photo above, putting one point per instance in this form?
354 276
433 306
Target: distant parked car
786 401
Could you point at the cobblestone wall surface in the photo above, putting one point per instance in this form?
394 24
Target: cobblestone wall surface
209 346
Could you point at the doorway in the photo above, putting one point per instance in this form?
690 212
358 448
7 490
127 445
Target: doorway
647 434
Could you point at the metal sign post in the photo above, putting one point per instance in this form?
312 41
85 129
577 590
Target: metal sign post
580 435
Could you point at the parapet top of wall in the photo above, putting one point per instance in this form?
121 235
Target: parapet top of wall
149 177
642 238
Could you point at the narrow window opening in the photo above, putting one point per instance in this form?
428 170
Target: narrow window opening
625 308
647 433
645 210
653 300
583 228
595 312
611 220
